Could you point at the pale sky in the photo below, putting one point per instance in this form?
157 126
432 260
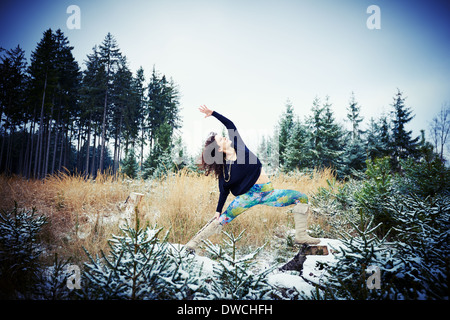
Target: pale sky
245 59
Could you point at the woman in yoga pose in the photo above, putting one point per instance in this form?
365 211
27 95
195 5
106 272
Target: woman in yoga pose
240 172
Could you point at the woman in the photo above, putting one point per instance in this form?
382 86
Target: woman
240 172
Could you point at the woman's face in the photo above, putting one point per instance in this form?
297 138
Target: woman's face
223 142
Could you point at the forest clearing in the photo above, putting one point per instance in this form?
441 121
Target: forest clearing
88 127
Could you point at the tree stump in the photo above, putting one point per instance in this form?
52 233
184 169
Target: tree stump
131 203
297 262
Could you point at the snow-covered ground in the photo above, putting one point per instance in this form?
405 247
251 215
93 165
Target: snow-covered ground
311 274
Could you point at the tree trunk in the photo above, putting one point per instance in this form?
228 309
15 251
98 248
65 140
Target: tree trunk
3 147
67 142
30 156
56 142
24 167
142 148
116 156
102 149
47 156
80 139
117 146
8 163
94 149
42 150
62 148
88 141
39 142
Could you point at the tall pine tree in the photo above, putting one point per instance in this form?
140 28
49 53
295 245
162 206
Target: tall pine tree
403 146
92 98
285 124
66 102
163 118
295 154
125 115
378 138
325 142
140 90
110 57
12 101
354 155
53 91
43 74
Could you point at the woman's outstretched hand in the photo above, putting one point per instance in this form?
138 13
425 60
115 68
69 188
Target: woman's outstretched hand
204 109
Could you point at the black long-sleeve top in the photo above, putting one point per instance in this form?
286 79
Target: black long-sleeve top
245 170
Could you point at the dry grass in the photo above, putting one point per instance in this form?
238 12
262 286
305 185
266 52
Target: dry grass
87 212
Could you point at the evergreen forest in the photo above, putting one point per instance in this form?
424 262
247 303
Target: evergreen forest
55 117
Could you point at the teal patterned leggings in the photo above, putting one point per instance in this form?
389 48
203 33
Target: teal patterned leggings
261 194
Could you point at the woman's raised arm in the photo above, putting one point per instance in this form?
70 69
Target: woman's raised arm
204 109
